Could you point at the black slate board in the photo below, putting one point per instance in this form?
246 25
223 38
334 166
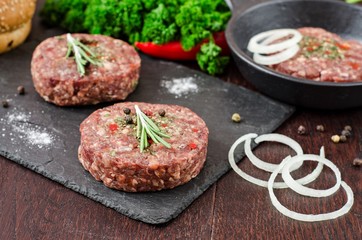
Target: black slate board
45 138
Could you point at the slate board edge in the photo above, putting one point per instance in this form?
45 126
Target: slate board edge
79 190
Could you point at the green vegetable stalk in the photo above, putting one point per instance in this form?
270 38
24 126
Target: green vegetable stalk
353 1
157 21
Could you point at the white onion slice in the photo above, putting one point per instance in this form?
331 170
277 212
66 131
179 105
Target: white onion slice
276 58
270 167
306 191
305 180
270 36
308 217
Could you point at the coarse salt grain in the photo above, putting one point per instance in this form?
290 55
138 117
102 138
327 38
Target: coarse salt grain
17 117
33 134
36 137
180 86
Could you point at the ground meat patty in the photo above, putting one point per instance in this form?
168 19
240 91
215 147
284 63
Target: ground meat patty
57 80
325 56
110 151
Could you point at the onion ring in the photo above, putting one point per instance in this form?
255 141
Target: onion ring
276 58
305 180
270 167
306 191
269 37
308 217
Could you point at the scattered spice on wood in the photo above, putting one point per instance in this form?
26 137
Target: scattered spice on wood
357 162
236 117
335 138
346 133
342 138
21 90
5 103
320 128
301 130
348 128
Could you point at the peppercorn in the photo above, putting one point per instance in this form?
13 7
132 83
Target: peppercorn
236 118
320 128
301 130
335 138
127 110
346 133
348 128
342 138
128 119
162 112
21 90
5 104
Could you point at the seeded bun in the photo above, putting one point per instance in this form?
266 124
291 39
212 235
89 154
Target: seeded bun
15 22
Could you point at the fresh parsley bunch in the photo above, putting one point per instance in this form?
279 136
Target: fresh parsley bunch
157 21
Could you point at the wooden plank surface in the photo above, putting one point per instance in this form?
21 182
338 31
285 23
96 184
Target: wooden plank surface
33 207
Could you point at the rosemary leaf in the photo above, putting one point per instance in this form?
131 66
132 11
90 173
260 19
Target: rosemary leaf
162 141
147 128
82 54
149 121
138 126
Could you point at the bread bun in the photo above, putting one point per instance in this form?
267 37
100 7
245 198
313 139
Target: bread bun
15 22
10 40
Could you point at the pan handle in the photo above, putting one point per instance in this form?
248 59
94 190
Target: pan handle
235 5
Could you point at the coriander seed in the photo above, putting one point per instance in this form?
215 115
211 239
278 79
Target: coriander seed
335 138
162 112
127 110
348 128
357 162
21 90
343 138
301 130
320 128
346 133
236 118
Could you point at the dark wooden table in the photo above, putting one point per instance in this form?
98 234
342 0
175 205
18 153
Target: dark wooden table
34 207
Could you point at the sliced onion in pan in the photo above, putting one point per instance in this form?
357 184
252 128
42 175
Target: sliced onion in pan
276 58
308 217
305 180
306 191
269 36
270 167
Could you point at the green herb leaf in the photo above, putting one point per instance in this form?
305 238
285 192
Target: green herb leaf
82 54
147 128
209 59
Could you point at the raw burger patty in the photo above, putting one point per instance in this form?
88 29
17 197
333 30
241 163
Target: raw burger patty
57 80
326 57
110 151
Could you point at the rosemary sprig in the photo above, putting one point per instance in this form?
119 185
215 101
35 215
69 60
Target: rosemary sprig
82 54
147 128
